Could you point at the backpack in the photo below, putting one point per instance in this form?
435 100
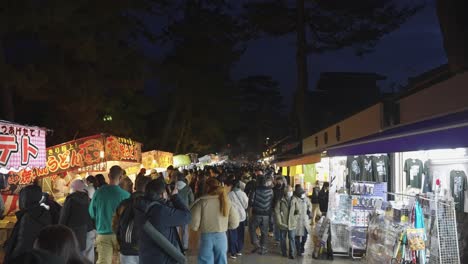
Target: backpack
127 234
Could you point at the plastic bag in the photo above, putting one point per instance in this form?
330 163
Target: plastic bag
416 239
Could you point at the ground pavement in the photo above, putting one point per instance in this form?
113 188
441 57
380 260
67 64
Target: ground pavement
272 257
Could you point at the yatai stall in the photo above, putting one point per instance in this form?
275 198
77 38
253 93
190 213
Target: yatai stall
22 149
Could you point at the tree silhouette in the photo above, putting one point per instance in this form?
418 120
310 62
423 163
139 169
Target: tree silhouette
324 25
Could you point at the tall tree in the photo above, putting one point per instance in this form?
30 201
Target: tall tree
324 25
205 41
260 108
83 62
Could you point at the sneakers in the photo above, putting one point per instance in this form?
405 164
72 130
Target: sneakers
233 256
239 254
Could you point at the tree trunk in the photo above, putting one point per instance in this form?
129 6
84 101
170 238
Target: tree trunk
453 24
301 62
7 103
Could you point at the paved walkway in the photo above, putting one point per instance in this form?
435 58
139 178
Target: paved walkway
272 257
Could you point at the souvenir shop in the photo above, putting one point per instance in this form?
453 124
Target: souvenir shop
407 206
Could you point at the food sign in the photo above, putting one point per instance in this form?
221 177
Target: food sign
22 146
123 149
156 159
74 154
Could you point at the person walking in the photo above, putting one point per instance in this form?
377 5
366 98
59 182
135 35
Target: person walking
315 202
74 215
278 193
213 215
260 202
187 197
240 202
163 212
31 218
303 219
102 208
323 198
124 225
286 212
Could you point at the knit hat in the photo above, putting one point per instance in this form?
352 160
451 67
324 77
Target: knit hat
299 191
78 185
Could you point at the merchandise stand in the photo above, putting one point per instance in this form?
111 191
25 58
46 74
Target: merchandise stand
441 238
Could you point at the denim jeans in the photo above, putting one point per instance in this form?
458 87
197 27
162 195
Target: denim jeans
236 239
88 253
262 222
129 259
300 242
213 248
276 231
288 234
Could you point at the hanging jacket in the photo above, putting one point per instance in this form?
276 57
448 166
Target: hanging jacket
74 214
261 200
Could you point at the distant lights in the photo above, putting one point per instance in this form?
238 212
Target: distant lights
107 118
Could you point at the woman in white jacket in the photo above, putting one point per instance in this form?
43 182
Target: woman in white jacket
239 202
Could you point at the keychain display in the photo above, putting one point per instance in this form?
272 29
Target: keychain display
362 188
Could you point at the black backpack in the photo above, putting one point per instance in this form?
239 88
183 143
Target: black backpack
127 233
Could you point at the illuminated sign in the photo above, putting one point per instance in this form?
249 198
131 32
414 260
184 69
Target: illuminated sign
22 146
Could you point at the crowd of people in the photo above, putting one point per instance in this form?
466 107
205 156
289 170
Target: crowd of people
148 220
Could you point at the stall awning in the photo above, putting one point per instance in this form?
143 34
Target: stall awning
450 131
300 160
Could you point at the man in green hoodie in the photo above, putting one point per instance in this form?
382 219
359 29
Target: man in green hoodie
102 208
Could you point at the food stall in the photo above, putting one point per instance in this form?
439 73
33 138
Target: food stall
81 157
22 149
151 160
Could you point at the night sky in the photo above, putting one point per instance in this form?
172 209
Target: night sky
413 49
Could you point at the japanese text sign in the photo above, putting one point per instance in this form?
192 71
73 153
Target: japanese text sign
123 149
22 146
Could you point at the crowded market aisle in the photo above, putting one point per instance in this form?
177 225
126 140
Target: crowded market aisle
272 257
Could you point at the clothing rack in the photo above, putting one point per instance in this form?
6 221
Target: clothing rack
417 196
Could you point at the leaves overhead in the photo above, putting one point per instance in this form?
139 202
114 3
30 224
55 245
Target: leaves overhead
332 24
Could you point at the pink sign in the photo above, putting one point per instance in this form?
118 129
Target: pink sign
22 146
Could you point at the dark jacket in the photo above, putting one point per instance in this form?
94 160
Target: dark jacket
315 195
278 192
250 187
38 257
165 219
261 200
323 200
74 214
31 218
127 249
186 195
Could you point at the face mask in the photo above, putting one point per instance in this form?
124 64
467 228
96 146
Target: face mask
180 185
289 194
303 195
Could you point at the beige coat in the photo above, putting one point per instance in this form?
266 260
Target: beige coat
286 217
303 222
207 216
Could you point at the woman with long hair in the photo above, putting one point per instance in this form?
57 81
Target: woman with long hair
213 215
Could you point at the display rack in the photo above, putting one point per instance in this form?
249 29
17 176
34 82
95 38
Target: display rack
443 242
